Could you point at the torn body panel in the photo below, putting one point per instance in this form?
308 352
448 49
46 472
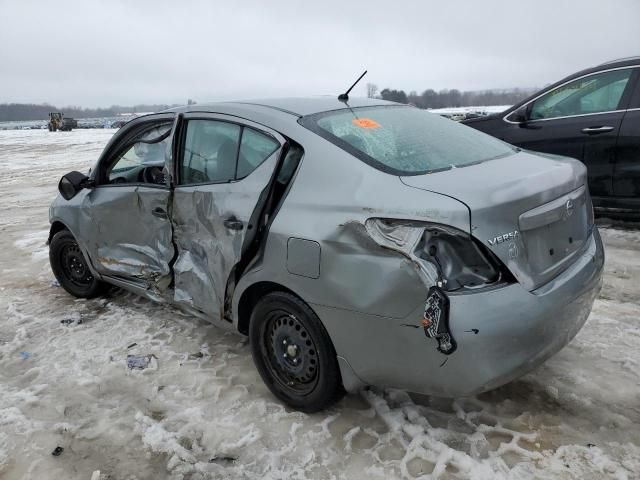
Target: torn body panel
446 260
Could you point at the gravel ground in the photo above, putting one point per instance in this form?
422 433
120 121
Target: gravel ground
201 410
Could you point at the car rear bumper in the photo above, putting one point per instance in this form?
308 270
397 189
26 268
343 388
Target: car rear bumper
501 334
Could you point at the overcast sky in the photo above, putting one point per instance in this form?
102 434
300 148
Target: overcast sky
92 53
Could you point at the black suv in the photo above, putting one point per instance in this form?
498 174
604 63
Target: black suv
592 115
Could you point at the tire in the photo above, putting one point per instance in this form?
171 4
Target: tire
293 353
70 267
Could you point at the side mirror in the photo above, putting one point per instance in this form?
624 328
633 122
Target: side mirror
71 183
521 115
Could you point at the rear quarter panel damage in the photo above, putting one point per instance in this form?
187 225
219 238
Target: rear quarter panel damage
329 202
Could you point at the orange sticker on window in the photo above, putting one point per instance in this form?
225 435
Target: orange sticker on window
365 123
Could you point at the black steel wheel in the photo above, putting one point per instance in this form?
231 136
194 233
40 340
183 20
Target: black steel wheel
293 353
70 267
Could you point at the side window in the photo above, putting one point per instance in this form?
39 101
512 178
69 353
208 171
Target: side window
143 160
593 94
255 148
210 152
218 152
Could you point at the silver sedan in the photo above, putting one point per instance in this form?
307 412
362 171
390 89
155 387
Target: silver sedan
355 242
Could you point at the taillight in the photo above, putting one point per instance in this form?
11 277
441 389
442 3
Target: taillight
447 258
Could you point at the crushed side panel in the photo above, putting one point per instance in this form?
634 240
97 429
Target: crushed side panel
128 240
208 249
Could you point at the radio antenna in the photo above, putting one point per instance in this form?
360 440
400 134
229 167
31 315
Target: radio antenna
345 96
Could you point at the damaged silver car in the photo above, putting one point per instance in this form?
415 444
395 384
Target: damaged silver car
355 242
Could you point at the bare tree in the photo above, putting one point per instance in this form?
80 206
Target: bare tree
372 90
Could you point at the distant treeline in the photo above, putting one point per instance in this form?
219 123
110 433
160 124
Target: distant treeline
427 99
454 98
13 112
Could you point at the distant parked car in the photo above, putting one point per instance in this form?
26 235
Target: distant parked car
354 243
456 117
592 115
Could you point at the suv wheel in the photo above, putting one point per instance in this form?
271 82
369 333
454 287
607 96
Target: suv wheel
293 353
70 267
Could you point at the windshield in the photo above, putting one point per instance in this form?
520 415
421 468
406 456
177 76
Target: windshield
405 140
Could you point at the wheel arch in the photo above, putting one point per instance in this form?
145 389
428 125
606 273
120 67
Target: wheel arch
56 226
251 295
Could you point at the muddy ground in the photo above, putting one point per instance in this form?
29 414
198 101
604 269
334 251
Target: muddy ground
201 410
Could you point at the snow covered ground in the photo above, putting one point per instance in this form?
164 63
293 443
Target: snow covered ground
201 410
464 110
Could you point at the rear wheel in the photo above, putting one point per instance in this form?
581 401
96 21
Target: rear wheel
293 353
71 268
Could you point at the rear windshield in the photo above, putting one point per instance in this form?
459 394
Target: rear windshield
405 140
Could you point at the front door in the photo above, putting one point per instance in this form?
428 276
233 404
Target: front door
126 214
224 169
580 119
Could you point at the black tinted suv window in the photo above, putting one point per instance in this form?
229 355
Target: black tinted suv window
405 140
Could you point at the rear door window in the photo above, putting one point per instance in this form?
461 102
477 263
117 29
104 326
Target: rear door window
218 152
210 152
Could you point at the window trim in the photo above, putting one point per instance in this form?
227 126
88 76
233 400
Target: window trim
122 141
545 92
213 117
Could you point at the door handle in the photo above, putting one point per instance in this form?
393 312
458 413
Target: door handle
596 130
159 212
233 223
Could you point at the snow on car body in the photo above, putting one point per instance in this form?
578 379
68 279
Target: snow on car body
356 243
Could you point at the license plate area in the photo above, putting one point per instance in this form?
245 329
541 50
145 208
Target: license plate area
552 233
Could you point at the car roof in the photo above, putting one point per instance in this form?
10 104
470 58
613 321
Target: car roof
623 62
618 63
298 107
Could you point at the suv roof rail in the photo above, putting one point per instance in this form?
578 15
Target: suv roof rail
636 57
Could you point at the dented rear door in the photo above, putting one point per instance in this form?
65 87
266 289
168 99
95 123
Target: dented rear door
224 169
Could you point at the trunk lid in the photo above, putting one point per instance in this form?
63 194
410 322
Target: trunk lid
531 210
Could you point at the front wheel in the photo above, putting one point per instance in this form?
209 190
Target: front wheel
293 353
71 268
